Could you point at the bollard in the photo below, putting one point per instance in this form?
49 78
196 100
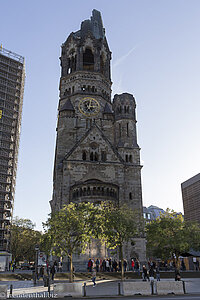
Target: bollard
84 289
184 287
49 288
119 289
11 290
152 285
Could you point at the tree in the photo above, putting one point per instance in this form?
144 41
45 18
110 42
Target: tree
169 236
70 230
120 225
23 239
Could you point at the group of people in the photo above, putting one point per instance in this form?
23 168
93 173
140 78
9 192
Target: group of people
106 265
149 274
49 269
154 271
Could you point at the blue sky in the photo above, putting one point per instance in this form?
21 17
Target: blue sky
155 56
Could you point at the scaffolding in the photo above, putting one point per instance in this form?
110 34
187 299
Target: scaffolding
12 76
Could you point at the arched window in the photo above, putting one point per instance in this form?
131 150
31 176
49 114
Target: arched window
84 192
84 156
130 159
120 131
126 157
94 191
130 196
91 156
103 156
96 156
88 60
81 192
127 129
88 191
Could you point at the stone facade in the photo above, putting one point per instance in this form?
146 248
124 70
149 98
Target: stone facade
97 156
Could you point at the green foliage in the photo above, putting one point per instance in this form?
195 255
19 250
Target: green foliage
70 229
169 234
23 239
119 225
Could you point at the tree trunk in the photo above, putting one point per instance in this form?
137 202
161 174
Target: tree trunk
176 260
122 261
71 278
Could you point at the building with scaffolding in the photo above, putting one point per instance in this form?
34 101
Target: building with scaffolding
12 75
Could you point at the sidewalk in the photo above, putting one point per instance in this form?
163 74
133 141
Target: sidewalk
104 288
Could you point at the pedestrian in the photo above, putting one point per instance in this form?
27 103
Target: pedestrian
144 273
157 273
132 264
137 266
104 265
110 264
151 274
114 265
60 266
97 265
125 265
183 265
90 265
107 265
94 274
177 275
13 267
41 272
53 271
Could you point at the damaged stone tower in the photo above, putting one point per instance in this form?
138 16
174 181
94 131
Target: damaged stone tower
97 157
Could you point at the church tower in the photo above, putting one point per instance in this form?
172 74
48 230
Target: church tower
97 157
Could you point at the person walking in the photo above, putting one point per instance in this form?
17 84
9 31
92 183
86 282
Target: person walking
151 274
132 264
53 271
157 273
107 265
97 265
137 266
90 264
94 274
144 273
41 272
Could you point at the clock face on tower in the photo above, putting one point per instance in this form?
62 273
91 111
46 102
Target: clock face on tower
89 106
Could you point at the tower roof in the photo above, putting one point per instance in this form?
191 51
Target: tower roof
67 106
107 109
94 26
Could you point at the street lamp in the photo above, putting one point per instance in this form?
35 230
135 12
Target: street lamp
36 263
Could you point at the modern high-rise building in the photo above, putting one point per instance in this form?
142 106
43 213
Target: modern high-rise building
97 157
12 75
191 198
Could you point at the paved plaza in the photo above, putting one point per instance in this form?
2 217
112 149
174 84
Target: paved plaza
104 288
